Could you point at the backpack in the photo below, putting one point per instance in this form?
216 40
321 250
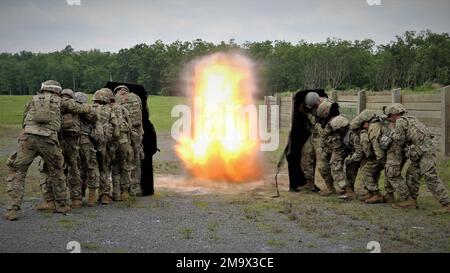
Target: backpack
134 106
43 115
40 108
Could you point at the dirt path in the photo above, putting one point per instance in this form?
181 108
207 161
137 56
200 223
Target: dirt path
189 216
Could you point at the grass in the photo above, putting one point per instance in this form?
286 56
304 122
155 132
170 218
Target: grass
275 243
160 107
132 202
201 204
186 233
119 250
68 223
11 109
89 246
212 229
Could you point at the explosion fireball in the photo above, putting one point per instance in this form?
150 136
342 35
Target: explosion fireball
223 146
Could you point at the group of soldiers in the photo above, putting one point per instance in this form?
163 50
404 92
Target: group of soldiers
81 146
369 144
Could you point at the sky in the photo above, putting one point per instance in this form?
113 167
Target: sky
110 25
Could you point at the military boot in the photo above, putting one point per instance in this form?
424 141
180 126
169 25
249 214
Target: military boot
366 196
443 209
62 209
124 196
376 198
92 198
329 190
309 186
409 203
389 198
349 194
76 203
105 200
116 197
46 205
11 215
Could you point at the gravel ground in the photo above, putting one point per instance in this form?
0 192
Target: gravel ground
193 216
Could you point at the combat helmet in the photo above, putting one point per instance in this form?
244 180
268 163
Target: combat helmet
100 96
51 86
339 122
366 115
68 92
395 109
80 97
109 93
355 123
311 99
120 87
324 109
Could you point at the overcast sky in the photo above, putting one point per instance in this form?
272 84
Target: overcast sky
109 25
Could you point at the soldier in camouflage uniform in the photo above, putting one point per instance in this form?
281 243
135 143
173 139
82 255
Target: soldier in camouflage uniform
415 138
70 146
355 158
70 137
395 159
310 154
122 152
334 134
375 155
39 137
311 150
89 171
133 104
322 113
108 121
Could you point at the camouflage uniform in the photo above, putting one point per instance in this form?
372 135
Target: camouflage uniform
375 155
356 155
89 171
395 160
333 139
108 121
133 104
70 145
39 137
70 137
326 150
311 150
123 153
419 148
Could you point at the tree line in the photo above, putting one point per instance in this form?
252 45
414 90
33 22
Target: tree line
411 60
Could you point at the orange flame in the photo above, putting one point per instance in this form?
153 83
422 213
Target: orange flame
221 147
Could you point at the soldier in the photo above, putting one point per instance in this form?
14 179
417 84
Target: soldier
39 137
89 171
122 152
375 155
395 159
337 129
313 100
310 154
133 104
108 121
70 137
356 156
416 140
324 113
